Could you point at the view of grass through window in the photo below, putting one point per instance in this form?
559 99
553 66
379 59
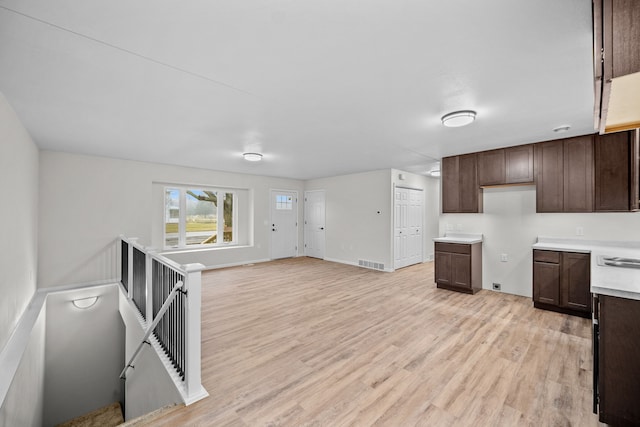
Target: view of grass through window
207 218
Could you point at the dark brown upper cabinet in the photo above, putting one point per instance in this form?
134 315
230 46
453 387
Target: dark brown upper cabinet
491 167
460 190
616 172
519 164
549 176
513 165
619 36
586 173
564 175
616 63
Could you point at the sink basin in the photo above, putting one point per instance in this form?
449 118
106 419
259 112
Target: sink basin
614 261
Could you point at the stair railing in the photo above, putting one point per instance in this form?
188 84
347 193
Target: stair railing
170 314
150 329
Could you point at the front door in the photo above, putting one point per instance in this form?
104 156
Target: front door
284 224
314 211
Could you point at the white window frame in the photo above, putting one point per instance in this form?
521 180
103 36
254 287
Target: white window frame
182 217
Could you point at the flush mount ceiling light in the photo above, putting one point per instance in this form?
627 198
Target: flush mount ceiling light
458 118
83 303
435 173
562 128
252 157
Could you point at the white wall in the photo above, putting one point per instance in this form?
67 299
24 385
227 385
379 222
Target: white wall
353 227
18 216
84 354
511 225
18 264
86 202
23 404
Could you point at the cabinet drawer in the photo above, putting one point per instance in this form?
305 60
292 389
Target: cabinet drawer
456 248
546 256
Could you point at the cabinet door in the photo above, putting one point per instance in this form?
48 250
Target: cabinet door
443 268
618 384
576 281
519 164
549 176
470 193
450 184
491 167
546 283
612 172
461 270
578 174
621 37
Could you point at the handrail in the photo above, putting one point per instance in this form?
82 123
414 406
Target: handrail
156 320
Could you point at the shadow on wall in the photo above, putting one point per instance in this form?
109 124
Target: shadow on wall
101 266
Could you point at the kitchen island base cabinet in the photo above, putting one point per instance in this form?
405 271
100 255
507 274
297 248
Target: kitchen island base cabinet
619 361
562 282
458 267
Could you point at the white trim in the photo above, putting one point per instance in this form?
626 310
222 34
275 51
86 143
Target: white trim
70 287
201 249
236 264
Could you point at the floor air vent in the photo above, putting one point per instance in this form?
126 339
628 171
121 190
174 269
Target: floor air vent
371 264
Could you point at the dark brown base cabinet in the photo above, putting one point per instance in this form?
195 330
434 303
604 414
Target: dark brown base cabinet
458 267
562 282
619 361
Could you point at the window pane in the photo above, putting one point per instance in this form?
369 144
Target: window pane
201 218
228 217
284 202
171 216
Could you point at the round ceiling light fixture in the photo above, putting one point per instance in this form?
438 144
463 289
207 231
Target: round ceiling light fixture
252 157
563 128
435 173
458 118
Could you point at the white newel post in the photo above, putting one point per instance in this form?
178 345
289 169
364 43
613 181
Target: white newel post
148 300
193 285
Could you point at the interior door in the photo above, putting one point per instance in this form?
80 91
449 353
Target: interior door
407 234
284 224
314 223
414 224
401 227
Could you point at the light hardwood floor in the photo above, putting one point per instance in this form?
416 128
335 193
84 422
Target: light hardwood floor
304 342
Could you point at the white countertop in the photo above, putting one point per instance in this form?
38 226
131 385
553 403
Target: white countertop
464 238
605 280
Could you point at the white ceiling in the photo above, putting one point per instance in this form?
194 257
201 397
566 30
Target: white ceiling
320 87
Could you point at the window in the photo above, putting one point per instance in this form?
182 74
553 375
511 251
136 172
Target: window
284 202
199 216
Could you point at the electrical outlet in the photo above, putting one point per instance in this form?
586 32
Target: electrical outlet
497 286
504 257
449 227
579 231
458 227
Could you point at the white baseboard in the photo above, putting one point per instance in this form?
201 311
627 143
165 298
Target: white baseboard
235 264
